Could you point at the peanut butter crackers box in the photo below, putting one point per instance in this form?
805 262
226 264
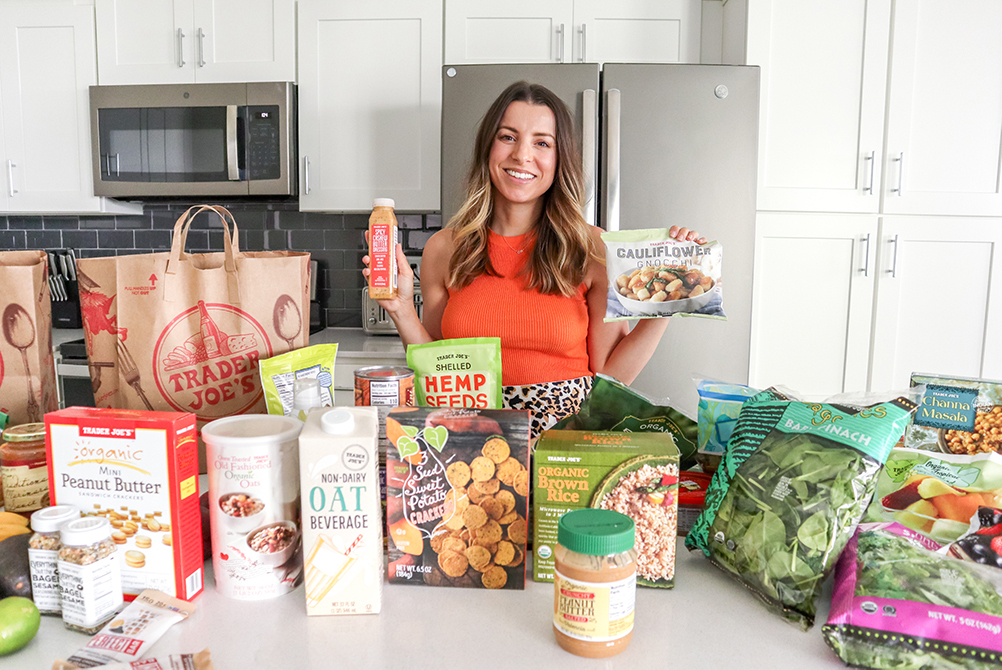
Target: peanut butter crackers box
636 474
457 491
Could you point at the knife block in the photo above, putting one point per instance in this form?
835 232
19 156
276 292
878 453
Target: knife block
66 313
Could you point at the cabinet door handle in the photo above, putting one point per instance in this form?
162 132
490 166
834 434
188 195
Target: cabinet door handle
10 178
866 256
583 32
900 160
560 43
894 258
869 159
306 174
201 47
180 48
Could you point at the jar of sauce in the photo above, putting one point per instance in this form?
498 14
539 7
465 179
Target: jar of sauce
595 584
23 469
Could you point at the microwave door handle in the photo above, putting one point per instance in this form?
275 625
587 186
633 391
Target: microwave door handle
233 170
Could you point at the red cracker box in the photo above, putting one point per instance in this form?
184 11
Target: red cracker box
140 470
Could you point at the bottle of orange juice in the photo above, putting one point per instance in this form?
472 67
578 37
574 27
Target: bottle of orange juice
382 250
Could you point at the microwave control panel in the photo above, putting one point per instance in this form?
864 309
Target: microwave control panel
263 143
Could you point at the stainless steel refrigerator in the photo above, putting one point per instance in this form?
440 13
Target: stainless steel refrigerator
661 145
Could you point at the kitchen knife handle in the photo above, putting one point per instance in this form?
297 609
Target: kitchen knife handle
583 35
232 168
894 258
900 160
869 159
560 43
612 183
588 122
201 47
10 178
180 48
306 174
866 256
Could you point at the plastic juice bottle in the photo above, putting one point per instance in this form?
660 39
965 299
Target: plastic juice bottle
382 250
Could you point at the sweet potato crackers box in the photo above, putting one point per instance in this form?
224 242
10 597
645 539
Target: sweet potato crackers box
140 470
457 496
633 473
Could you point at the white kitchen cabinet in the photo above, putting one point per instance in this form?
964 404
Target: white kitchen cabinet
47 62
564 31
370 101
944 117
812 297
203 41
821 119
938 299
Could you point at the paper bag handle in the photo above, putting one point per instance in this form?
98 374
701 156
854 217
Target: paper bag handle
231 248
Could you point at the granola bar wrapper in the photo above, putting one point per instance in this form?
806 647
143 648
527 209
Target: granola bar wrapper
652 275
128 636
184 332
200 661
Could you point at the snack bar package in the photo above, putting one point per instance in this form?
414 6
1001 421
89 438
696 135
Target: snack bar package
719 405
612 405
957 416
279 373
457 496
793 483
462 372
652 275
934 493
897 603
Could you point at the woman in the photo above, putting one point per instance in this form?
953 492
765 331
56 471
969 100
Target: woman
519 262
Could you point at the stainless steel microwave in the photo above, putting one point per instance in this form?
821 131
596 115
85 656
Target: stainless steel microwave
194 139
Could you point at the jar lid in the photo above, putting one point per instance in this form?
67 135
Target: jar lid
49 519
337 422
596 532
86 531
26 432
692 487
383 202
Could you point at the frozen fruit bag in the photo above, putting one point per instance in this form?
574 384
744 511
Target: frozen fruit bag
795 480
279 374
461 372
719 406
899 603
982 543
652 275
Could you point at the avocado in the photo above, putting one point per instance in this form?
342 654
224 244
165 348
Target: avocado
19 622
15 575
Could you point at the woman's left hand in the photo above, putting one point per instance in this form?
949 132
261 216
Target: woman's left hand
685 235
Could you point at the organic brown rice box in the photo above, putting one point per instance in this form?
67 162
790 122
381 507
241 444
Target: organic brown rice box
636 474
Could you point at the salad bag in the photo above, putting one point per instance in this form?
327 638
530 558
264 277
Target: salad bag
900 603
795 480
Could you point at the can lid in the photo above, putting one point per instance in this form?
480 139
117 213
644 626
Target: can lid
26 432
383 202
596 532
337 422
85 531
306 393
49 519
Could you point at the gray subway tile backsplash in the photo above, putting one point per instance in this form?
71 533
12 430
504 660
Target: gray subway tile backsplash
336 241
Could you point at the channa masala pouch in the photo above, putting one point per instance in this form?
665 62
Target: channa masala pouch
461 372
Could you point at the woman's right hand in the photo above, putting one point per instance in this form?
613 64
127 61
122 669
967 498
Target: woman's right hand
405 284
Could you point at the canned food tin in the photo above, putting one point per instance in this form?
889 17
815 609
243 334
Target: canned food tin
389 385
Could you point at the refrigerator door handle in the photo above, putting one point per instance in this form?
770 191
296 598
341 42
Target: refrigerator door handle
612 185
590 113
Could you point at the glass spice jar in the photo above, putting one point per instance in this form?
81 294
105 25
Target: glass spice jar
595 583
43 555
23 468
90 577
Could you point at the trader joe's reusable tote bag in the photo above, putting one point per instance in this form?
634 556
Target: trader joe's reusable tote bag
27 372
184 332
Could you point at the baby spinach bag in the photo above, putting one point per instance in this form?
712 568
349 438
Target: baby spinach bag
792 485
461 372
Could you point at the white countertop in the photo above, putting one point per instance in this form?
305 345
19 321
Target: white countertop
356 343
707 621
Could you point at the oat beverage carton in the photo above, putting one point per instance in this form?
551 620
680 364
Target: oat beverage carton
139 469
633 473
342 510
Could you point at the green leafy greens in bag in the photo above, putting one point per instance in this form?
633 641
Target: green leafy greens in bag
794 482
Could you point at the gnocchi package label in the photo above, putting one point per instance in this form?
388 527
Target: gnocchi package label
652 275
139 469
457 496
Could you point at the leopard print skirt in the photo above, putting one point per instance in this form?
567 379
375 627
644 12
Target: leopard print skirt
549 402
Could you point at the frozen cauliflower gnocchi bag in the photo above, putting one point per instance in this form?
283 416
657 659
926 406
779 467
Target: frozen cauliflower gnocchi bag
652 275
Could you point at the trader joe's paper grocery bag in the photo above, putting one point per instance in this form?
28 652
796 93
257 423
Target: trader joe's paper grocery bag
27 371
185 332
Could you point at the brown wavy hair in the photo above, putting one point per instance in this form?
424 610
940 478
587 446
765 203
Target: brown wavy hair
564 244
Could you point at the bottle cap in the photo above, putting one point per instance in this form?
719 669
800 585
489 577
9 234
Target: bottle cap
49 519
596 532
306 393
337 422
86 531
383 202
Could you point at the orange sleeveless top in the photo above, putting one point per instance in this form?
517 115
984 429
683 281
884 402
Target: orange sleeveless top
544 338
